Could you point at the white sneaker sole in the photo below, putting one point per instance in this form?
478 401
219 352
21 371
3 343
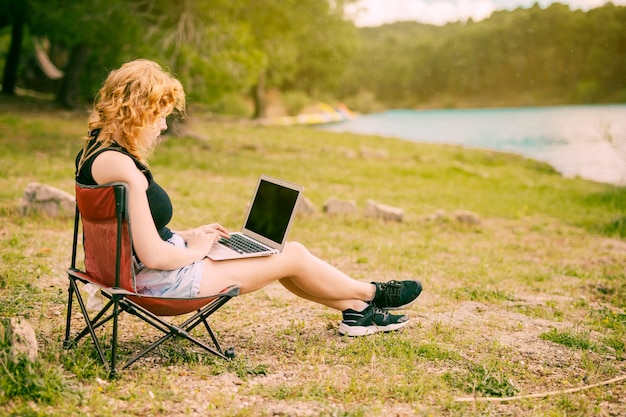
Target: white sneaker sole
353 331
402 307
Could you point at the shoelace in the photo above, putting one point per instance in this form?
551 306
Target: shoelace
391 290
380 312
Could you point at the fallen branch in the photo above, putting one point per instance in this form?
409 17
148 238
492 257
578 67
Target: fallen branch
539 394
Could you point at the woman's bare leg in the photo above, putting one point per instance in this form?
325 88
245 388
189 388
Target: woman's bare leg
299 271
357 305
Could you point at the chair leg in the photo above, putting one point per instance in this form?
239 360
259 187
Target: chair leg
182 334
172 330
210 332
68 319
116 311
96 322
88 322
120 304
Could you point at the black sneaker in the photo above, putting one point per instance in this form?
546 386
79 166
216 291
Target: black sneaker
394 295
369 321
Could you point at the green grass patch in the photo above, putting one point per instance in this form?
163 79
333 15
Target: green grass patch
571 339
482 381
546 250
481 294
25 379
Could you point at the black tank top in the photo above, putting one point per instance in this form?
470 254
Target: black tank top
160 203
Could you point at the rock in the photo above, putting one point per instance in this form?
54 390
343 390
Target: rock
17 337
336 206
306 207
466 217
45 199
439 214
382 211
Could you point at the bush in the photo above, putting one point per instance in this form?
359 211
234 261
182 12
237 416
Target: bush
364 102
232 105
295 102
586 91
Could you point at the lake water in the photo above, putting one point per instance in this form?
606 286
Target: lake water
584 141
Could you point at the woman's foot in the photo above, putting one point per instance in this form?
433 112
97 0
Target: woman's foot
369 321
394 295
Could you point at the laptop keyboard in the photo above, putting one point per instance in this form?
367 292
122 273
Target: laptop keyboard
241 244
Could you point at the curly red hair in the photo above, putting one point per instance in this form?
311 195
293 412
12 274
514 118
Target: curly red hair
133 97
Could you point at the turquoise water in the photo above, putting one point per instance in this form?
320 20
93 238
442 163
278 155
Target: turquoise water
584 141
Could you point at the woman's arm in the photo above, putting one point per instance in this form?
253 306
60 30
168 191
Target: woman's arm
155 253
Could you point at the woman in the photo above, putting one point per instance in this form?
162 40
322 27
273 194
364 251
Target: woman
128 116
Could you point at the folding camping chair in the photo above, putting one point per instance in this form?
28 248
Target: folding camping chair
102 214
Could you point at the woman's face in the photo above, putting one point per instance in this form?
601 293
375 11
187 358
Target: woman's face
155 129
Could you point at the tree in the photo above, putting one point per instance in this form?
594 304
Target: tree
305 44
214 47
520 57
324 47
14 15
93 35
211 51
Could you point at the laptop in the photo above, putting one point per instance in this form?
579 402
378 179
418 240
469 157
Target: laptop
266 224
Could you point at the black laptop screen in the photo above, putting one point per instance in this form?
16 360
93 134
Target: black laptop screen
271 210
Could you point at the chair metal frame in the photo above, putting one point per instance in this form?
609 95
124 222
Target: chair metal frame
115 277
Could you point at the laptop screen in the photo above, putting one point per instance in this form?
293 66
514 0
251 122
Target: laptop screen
271 210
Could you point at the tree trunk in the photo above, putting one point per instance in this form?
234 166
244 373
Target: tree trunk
70 86
258 96
9 78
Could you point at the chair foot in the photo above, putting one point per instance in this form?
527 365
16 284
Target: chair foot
69 344
230 353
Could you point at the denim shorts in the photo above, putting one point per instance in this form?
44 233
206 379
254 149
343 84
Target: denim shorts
176 283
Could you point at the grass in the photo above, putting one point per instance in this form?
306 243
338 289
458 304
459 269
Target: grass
530 299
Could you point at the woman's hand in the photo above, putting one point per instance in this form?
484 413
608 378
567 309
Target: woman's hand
202 238
213 228
201 241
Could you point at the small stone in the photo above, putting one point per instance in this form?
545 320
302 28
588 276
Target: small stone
466 217
377 210
49 200
17 337
336 206
306 207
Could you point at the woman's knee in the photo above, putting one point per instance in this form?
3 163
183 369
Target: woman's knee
296 249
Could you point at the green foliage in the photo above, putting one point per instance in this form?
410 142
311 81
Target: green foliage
232 104
482 294
25 379
295 102
480 380
363 101
576 340
612 320
305 43
616 227
520 57
215 48
586 91
5 41
616 342
210 52
614 289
